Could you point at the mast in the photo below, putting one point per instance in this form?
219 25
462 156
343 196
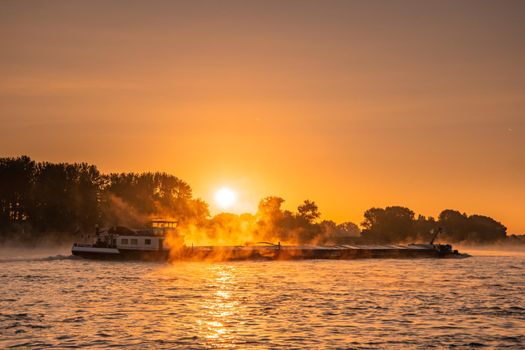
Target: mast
435 235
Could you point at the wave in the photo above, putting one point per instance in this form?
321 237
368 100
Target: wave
47 258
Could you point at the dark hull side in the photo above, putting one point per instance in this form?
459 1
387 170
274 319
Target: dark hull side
125 254
351 254
268 253
291 253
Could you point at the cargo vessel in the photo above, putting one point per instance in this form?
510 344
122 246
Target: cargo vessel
121 243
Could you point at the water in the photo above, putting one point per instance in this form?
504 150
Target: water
62 302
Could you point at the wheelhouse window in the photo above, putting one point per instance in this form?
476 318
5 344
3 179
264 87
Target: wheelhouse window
147 241
134 241
124 241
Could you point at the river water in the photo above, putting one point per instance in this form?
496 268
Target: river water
64 302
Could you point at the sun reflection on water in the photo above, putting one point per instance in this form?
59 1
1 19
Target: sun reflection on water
220 307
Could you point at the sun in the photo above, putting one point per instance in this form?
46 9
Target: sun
225 197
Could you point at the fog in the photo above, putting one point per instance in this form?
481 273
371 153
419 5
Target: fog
496 249
13 252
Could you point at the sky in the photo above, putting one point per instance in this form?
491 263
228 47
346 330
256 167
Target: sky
352 104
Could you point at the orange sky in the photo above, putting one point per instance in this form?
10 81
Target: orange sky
351 104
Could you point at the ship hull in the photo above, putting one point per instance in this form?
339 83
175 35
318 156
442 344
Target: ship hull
309 252
120 254
267 253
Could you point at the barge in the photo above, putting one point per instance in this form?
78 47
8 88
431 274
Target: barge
335 252
121 243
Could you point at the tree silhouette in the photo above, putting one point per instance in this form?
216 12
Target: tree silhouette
391 224
475 228
309 211
39 198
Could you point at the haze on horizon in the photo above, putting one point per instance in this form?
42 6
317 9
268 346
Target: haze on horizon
351 104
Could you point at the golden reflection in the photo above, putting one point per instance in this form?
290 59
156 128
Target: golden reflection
217 314
221 307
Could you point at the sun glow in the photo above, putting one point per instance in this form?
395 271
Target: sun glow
225 198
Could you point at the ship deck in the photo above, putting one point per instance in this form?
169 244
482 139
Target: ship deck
342 252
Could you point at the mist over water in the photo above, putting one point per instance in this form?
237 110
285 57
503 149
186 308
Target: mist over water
56 301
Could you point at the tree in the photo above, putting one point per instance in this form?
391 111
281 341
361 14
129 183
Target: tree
485 229
16 177
65 197
348 229
331 233
425 227
309 211
391 224
454 224
150 194
269 219
270 208
474 228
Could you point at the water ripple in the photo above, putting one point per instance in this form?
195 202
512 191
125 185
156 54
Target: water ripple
369 304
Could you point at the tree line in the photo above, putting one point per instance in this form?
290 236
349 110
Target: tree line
41 197
399 224
37 198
